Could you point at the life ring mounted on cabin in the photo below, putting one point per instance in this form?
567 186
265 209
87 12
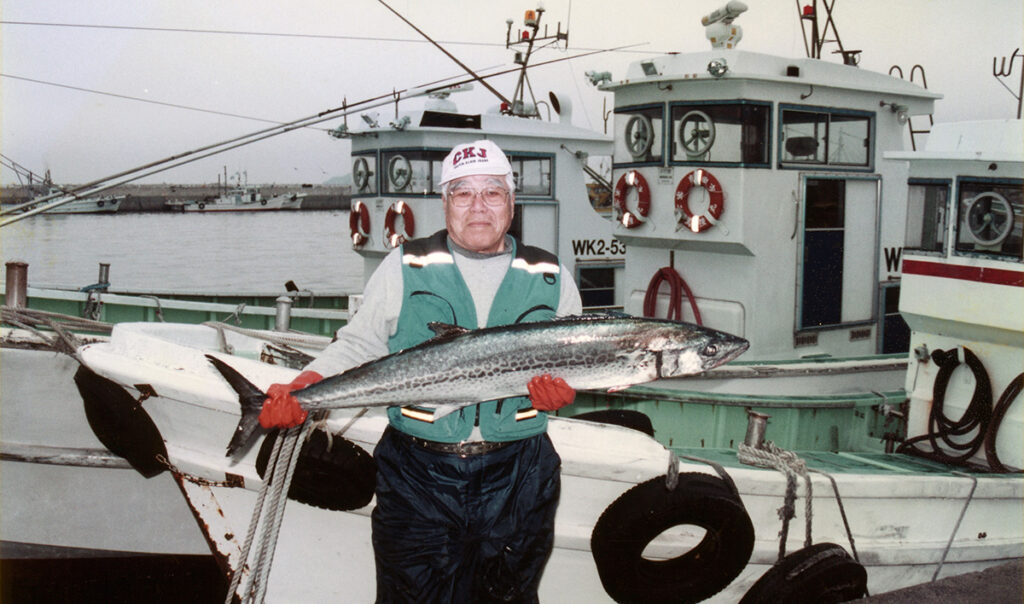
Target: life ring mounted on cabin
359 224
628 181
685 216
392 236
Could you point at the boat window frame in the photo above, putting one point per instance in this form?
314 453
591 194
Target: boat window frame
956 202
612 265
437 157
672 126
826 165
940 182
373 182
515 157
659 159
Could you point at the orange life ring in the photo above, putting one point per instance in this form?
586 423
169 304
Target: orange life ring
685 217
359 224
393 237
626 182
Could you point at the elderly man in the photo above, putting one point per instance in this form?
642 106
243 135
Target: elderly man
465 502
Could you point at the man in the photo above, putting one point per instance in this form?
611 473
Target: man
466 502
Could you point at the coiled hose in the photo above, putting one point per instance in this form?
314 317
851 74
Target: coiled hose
677 285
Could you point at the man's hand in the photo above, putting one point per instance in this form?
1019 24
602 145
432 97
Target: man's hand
550 394
281 409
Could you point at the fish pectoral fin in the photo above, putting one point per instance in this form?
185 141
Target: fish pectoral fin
618 388
445 331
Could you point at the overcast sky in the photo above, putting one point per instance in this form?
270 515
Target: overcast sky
217 56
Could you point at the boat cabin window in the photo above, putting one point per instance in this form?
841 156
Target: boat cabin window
597 287
412 172
989 217
927 208
825 137
735 133
532 175
638 134
364 173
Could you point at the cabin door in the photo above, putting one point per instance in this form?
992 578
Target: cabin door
837 279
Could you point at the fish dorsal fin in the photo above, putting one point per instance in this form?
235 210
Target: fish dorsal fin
445 331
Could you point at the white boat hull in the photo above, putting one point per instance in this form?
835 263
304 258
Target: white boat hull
57 478
902 518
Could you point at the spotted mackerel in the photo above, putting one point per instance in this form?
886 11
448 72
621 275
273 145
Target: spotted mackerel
462 367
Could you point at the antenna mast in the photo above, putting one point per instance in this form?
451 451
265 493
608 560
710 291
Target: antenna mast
809 14
528 37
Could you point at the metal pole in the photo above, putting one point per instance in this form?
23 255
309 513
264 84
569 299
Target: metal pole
17 284
756 427
282 320
103 280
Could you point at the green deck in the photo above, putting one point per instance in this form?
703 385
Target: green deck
321 315
701 420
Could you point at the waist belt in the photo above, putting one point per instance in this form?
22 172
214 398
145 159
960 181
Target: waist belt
462 449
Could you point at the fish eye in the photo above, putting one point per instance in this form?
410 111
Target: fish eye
710 350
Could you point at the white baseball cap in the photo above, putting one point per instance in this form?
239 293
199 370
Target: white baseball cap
477 157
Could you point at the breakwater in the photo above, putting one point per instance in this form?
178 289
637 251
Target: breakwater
154 197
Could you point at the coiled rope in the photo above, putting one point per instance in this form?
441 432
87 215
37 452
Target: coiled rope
789 463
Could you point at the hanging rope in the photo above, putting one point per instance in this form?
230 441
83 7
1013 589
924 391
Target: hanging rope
790 464
276 487
280 470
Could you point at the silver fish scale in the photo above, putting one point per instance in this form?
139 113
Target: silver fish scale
497 363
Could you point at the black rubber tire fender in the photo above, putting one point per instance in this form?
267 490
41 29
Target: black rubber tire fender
120 423
645 511
822 573
334 474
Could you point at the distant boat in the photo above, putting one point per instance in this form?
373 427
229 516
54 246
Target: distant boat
243 199
107 204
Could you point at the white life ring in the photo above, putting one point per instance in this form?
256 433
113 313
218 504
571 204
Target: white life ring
629 180
359 224
685 216
391 235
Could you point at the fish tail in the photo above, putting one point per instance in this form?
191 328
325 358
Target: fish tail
250 397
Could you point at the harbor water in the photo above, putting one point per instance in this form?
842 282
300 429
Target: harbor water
228 252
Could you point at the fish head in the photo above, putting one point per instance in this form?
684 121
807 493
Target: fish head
698 349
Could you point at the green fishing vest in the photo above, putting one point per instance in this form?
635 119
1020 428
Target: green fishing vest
433 290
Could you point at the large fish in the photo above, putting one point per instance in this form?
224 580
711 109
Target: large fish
461 367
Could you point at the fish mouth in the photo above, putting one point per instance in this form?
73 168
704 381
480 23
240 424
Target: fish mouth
737 347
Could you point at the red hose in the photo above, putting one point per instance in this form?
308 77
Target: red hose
677 285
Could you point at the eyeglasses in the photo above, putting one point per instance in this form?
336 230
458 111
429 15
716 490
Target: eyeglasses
492 196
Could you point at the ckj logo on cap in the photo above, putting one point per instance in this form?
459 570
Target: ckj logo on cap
468 153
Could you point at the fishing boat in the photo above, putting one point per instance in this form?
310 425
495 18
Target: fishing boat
244 199
105 204
964 277
58 473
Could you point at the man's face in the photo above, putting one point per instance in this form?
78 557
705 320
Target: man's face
480 226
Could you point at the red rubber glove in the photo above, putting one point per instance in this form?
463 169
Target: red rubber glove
281 409
550 394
